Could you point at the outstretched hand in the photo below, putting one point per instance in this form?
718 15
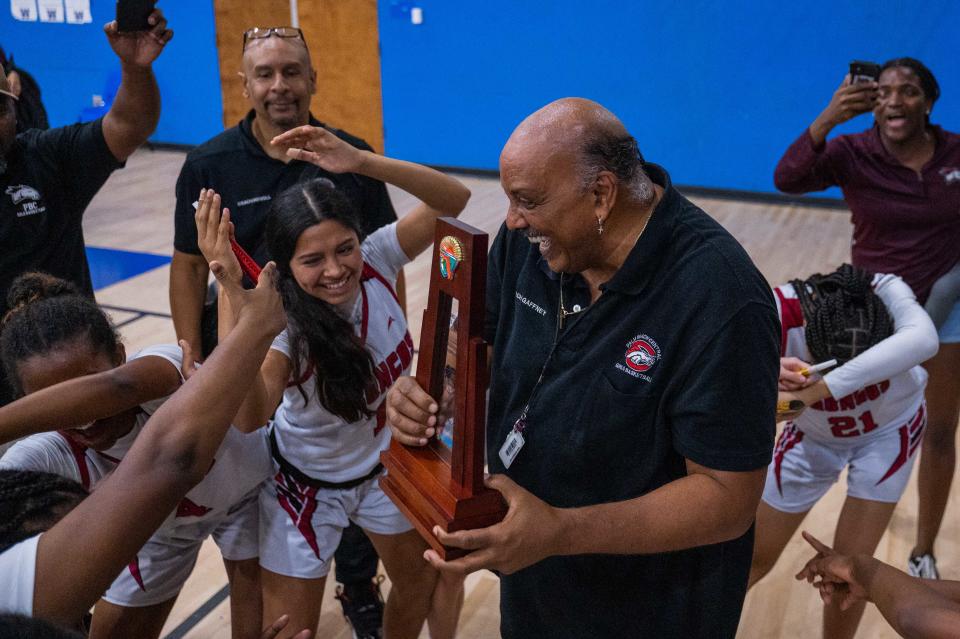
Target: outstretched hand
321 147
838 575
140 48
214 232
260 306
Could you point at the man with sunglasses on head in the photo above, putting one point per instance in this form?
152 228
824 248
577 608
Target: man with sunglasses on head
248 171
48 177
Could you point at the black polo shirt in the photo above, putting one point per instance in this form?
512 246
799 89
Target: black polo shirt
677 359
50 179
236 166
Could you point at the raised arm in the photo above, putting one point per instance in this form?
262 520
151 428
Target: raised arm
440 194
136 107
88 398
79 557
214 235
807 166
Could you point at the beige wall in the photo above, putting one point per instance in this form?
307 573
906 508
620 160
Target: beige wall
343 39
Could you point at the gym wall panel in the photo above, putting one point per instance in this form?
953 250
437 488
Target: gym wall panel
714 91
74 62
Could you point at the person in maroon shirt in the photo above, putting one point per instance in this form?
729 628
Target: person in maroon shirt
901 180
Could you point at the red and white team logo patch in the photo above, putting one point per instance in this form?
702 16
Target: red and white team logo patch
642 353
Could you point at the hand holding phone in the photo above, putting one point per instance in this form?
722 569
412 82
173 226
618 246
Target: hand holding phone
133 15
861 71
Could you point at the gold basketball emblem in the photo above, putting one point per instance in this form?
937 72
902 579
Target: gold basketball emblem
451 254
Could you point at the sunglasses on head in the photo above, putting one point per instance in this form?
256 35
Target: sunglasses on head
265 32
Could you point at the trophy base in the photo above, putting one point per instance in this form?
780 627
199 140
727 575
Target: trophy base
418 481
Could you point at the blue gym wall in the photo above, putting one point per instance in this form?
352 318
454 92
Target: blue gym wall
73 62
715 91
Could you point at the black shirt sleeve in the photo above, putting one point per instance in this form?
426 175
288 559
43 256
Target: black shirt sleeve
184 225
724 413
80 158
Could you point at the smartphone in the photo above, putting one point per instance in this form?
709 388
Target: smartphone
132 15
861 71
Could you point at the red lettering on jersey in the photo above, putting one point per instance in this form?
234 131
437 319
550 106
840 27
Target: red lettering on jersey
188 508
396 370
405 352
383 378
381 418
866 394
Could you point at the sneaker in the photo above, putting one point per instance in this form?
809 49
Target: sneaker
363 608
924 566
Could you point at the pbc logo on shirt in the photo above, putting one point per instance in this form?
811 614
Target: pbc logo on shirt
27 198
642 354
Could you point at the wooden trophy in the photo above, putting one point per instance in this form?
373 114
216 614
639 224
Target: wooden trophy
434 485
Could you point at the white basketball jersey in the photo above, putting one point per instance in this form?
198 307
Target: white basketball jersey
310 437
881 387
241 462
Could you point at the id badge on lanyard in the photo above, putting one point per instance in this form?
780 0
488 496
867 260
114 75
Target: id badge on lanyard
514 441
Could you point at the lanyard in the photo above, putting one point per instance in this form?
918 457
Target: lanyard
521 424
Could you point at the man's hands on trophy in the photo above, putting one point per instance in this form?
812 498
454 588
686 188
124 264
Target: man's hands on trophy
140 48
411 413
318 146
530 532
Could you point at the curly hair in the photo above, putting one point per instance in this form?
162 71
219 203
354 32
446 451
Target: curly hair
46 312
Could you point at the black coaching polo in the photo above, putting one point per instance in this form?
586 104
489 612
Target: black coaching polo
50 179
677 359
236 166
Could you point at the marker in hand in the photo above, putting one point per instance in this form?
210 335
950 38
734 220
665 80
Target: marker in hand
816 368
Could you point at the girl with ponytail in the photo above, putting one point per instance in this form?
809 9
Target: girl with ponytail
83 407
346 342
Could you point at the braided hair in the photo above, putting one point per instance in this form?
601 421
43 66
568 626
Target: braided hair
843 316
32 502
318 333
46 312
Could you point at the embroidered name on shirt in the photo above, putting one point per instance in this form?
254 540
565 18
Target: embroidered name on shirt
641 355
254 200
523 300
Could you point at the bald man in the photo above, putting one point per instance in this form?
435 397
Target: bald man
247 170
632 394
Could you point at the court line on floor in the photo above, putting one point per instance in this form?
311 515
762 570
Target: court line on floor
138 314
199 614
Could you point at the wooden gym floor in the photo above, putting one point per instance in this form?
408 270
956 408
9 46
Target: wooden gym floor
134 212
